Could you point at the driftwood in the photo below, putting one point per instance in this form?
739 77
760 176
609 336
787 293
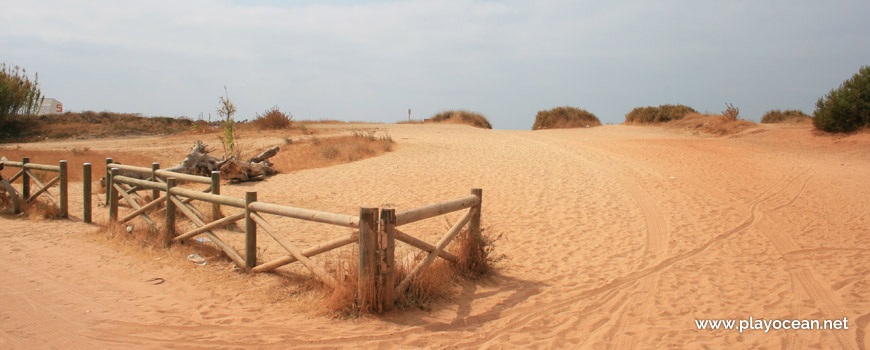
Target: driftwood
198 162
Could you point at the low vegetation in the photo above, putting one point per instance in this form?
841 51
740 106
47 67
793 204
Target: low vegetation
716 124
20 98
273 119
786 116
90 124
436 281
660 114
461 117
565 117
318 152
846 108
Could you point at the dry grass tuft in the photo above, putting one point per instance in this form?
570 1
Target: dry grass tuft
711 124
273 118
461 117
319 152
436 281
787 116
41 209
730 113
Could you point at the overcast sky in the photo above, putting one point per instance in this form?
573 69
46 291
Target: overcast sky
371 61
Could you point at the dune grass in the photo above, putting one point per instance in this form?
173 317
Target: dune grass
565 117
460 117
438 280
716 124
786 116
660 114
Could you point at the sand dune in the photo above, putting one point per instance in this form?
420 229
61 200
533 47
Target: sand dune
616 237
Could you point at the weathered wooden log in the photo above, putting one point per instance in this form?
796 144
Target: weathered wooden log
197 162
236 170
269 153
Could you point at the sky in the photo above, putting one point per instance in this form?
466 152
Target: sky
373 60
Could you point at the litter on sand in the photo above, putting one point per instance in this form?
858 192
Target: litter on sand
196 259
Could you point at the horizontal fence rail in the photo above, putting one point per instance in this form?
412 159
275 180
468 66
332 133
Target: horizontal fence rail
306 214
433 210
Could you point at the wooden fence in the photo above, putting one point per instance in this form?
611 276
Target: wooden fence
375 237
26 175
376 230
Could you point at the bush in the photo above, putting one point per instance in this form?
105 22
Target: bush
564 117
273 118
660 114
789 115
19 98
461 117
846 108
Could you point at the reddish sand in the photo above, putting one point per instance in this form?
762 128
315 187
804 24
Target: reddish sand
615 237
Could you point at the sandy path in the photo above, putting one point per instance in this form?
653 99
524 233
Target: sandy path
616 237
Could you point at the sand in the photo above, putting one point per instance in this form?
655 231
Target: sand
615 237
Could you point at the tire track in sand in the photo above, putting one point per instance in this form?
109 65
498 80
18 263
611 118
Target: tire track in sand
805 276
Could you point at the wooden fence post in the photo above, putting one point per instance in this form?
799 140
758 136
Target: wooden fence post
368 246
387 240
113 196
108 172
64 189
86 192
25 180
216 189
169 224
474 222
250 230
154 167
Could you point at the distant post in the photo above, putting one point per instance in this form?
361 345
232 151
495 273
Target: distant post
25 179
86 192
169 224
409 114
108 171
64 189
113 195
154 193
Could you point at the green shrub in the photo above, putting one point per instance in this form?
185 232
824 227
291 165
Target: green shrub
19 98
846 108
461 117
564 117
660 114
788 115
